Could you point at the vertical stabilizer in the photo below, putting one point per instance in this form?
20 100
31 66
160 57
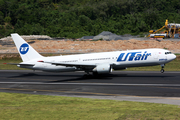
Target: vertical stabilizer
25 50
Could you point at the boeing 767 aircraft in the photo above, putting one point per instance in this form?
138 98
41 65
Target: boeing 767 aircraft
97 63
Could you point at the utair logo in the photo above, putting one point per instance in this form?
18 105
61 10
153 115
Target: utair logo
24 48
133 56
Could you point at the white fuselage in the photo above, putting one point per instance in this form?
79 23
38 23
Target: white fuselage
87 62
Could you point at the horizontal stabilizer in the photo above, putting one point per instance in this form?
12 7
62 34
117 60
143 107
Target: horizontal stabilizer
19 64
26 64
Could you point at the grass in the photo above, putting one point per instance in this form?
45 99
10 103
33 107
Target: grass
25 106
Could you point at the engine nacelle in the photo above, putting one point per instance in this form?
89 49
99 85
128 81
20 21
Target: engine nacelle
102 69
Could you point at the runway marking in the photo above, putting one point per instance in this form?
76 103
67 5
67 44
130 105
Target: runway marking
105 84
169 87
104 94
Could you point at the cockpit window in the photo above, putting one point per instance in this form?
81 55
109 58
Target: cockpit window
168 53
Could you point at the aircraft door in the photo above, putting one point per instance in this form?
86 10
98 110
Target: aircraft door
163 55
156 55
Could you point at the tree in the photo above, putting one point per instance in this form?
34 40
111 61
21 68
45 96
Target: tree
7 19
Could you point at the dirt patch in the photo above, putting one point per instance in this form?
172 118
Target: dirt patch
52 46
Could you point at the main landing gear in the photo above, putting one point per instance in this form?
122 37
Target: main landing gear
162 68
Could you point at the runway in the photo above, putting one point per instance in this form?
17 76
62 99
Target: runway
139 86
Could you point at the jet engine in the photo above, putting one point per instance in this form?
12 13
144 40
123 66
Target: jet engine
103 69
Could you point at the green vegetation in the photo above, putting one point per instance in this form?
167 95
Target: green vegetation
26 106
77 18
172 66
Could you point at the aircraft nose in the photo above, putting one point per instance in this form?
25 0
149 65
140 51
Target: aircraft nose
171 57
174 56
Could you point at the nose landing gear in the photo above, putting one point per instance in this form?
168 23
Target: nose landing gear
162 68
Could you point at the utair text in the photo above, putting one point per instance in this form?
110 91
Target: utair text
136 56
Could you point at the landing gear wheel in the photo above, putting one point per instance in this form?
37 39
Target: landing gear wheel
162 70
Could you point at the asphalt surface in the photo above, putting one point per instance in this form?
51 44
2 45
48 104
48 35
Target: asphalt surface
141 86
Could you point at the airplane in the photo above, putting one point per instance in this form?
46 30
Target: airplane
95 63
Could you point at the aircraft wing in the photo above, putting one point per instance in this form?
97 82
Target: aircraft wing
79 65
75 64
